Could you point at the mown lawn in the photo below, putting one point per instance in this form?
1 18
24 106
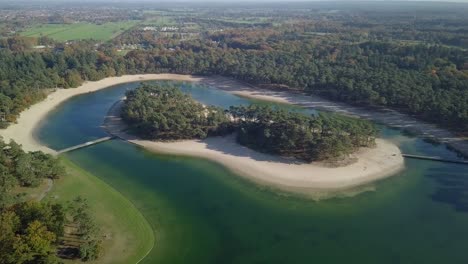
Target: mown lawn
64 32
128 236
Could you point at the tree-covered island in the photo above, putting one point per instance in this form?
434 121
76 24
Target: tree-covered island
158 112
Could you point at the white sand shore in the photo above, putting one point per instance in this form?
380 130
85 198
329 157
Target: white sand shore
22 131
285 174
387 117
373 164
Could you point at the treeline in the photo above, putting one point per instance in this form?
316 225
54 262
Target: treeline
166 113
310 138
428 81
26 169
32 232
158 112
26 76
367 74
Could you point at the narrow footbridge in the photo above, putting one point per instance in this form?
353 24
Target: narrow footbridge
435 159
84 145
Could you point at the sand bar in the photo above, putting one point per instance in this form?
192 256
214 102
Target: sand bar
373 163
285 174
389 117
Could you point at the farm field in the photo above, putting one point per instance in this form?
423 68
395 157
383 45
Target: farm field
160 21
64 32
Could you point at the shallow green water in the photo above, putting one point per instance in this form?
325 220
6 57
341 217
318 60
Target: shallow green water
202 213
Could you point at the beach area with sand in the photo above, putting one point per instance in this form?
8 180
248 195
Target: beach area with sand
285 174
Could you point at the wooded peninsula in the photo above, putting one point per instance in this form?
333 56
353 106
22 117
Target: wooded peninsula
163 112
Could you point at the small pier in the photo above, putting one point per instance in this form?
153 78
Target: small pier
465 162
84 145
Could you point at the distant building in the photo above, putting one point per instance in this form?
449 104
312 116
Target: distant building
150 29
165 29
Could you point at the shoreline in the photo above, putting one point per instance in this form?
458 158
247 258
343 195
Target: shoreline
27 122
388 117
258 167
23 130
312 179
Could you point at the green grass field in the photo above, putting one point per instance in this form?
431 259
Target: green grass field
160 21
63 32
128 236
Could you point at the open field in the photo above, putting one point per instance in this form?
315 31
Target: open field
127 235
64 32
160 21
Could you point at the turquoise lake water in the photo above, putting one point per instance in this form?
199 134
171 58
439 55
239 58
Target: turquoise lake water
202 213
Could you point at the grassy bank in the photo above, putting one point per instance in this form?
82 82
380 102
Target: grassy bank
127 235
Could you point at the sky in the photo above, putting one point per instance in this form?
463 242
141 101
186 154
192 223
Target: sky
234 1
221 1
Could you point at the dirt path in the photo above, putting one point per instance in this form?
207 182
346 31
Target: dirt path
50 184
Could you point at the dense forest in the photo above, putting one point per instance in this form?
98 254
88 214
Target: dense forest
159 112
419 79
30 231
411 58
27 169
309 138
429 81
166 113
27 76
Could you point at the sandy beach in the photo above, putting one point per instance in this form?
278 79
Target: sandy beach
284 174
22 131
384 116
373 163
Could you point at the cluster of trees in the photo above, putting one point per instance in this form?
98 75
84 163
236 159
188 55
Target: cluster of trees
166 113
430 81
31 232
85 228
20 168
27 76
291 134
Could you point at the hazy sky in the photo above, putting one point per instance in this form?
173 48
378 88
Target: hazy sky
220 1
234 1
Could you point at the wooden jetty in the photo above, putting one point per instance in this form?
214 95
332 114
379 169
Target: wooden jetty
84 145
465 162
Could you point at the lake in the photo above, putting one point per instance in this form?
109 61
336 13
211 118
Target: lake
202 213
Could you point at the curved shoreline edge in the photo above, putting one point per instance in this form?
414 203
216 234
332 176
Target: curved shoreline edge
373 164
312 179
23 130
